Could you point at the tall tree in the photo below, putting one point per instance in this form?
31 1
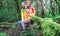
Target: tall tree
42 10
52 8
58 3
0 3
17 6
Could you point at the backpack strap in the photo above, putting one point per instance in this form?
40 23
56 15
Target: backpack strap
32 10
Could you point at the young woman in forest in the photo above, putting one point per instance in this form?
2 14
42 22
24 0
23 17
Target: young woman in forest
30 9
22 15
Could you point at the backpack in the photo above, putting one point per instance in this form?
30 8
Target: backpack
31 8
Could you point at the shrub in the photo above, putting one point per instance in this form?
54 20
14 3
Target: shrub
3 34
8 12
49 27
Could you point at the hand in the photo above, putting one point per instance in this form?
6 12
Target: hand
29 15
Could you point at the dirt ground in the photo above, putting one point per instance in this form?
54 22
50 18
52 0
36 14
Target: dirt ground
15 32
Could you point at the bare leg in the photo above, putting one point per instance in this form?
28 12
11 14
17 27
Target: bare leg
24 22
23 26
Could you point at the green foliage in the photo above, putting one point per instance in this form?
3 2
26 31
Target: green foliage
47 30
49 27
14 26
3 34
28 33
3 23
8 12
57 17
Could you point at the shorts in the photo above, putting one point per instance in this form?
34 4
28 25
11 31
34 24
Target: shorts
24 22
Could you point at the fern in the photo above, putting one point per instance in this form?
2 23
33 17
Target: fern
49 27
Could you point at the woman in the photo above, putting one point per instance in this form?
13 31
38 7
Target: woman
30 11
22 16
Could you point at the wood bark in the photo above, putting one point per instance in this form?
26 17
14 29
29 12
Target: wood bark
17 5
52 8
58 5
42 10
1 3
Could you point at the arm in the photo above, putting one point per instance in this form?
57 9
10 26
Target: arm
22 18
34 11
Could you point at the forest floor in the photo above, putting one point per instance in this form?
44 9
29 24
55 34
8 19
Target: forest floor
16 32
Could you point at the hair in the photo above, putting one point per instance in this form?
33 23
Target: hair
22 3
27 0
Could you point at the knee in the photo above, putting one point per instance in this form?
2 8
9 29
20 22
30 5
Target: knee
19 22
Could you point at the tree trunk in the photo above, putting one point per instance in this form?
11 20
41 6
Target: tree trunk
18 9
52 8
17 5
42 10
0 3
59 8
58 5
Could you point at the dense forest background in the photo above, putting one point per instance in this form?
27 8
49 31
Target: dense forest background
10 9
45 23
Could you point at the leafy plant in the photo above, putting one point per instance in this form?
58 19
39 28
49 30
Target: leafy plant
8 12
28 33
49 27
3 34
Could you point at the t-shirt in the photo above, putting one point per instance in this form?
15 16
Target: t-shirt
22 14
27 13
30 12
